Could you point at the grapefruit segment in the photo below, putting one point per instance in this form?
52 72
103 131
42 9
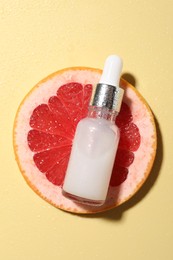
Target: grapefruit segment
125 116
71 95
39 141
119 175
43 120
56 174
130 137
47 159
124 158
57 107
44 128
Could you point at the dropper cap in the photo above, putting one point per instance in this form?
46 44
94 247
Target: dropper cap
112 71
107 92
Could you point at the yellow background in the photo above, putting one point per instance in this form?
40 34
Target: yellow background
38 37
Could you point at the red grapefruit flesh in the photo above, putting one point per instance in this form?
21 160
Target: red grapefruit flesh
45 125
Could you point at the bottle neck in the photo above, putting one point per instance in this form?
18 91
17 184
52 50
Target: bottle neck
102 112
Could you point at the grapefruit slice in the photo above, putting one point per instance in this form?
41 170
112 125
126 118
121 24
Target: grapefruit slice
44 127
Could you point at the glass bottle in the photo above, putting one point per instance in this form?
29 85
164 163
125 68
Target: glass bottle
96 141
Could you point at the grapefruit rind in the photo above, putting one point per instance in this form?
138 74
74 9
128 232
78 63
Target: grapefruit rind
138 171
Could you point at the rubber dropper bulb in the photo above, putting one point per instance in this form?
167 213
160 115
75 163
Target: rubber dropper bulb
112 71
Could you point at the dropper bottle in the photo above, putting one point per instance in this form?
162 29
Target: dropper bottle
96 140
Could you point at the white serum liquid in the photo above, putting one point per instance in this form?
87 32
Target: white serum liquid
91 161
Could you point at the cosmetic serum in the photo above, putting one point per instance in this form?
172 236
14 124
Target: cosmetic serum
96 140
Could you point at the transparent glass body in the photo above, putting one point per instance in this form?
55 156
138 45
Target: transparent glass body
92 157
